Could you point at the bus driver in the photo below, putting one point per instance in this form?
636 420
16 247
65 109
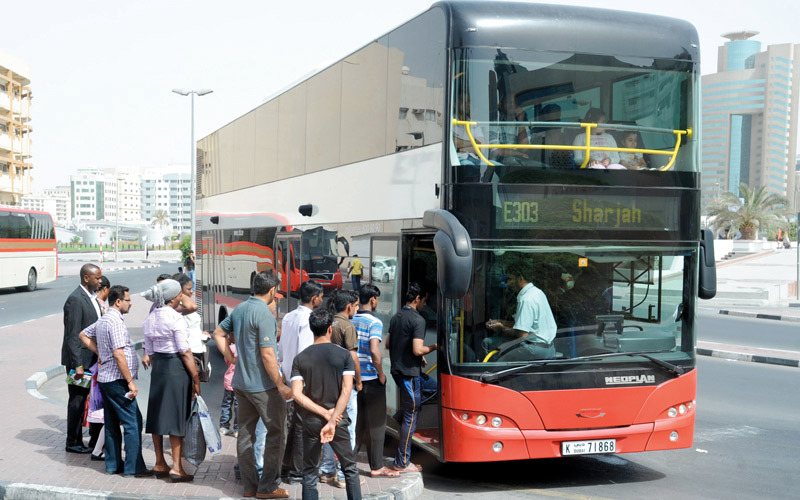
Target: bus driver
533 320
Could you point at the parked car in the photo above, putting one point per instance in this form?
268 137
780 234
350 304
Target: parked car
383 270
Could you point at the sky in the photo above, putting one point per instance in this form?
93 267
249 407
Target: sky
102 71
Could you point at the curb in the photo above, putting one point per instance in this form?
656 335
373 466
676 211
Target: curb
411 489
753 358
745 314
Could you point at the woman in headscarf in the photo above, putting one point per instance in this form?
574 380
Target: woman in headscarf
174 380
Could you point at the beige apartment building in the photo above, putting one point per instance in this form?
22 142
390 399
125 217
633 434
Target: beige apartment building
15 129
750 118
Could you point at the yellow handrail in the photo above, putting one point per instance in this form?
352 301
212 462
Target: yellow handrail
587 149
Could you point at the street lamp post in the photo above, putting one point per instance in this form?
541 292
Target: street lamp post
193 164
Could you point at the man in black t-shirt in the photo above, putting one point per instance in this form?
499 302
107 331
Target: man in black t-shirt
322 379
406 342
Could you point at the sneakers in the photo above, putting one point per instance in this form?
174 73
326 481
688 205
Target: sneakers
224 431
328 478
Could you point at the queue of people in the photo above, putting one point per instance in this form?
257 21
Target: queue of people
319 380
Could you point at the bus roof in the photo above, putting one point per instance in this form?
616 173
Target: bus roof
13 208
566 28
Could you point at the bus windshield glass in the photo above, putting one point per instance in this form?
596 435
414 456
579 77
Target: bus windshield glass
531 303
522 108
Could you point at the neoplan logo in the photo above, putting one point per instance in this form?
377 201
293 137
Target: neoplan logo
631 379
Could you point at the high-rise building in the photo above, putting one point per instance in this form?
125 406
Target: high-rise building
15 131
168 190
94 195
56 201
749 118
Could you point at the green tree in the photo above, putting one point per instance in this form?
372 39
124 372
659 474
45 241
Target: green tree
750 211
75 240
186 247
160 219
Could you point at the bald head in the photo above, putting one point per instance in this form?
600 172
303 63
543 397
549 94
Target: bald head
90 277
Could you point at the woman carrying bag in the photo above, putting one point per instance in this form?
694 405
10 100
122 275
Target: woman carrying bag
174 380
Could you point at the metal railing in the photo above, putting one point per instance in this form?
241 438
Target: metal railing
587 149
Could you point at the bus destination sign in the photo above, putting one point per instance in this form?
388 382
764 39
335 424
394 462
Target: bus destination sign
587 211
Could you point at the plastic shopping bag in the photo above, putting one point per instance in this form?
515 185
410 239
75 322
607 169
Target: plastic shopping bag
194 443
210 430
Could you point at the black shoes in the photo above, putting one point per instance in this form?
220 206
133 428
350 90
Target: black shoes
98 458
144 473
78 449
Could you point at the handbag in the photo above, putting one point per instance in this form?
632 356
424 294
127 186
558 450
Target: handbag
203 366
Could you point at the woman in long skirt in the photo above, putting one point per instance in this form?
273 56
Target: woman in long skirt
174 380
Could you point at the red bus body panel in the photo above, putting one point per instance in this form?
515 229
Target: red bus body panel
535 423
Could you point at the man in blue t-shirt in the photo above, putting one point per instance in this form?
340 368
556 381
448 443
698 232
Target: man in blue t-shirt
258 384
322 379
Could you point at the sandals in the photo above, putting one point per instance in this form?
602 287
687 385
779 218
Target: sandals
384 472
410 468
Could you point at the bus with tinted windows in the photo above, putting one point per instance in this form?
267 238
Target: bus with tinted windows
28 249
487 150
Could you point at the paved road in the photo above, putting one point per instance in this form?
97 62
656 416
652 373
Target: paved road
16 307
765 333
746 438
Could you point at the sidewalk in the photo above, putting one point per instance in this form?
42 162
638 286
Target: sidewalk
768 278
33 463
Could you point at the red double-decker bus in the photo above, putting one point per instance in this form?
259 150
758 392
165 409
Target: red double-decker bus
487 149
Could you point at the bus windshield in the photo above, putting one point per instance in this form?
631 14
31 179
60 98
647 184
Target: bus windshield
581 300
529 108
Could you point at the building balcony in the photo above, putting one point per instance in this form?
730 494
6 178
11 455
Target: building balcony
22 110
5 102
21 185
22 149
5 142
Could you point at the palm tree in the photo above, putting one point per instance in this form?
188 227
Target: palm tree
160 219
750 211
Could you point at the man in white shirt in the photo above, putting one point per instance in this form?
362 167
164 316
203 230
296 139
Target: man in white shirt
296 335
533 320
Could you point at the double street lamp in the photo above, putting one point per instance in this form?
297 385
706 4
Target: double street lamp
193 164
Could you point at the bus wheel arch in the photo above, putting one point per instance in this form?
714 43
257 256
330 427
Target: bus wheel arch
31 286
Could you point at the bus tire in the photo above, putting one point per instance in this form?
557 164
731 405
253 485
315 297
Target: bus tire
31 286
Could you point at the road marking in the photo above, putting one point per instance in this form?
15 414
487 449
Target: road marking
725 433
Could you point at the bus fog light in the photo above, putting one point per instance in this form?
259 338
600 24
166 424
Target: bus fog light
672 412
497 422
465 416
682 409
673 436
481 419
497 447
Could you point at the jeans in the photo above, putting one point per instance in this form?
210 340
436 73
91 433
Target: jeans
371 426
293 455
410 390
258 446
270 407
229 418
329 464
191 275
312 425
120 410
356 279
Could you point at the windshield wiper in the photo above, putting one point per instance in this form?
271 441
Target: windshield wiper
674 370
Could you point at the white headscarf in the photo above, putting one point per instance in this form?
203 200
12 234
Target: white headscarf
163 292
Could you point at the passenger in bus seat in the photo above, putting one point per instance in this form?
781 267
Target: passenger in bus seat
532 321
630 139
600 138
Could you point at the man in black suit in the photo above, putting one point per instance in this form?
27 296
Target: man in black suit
80 310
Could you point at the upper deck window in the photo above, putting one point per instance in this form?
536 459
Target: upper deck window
520 108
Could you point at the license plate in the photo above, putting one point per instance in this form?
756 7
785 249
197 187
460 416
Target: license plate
588 447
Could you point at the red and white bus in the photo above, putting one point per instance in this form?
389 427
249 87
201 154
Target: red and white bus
28 249
452 148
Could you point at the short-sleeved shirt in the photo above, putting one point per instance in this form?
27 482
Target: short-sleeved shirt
110 333
254 327
165 331
368 326
534 315
296 335
404 327
188 265
321 367
343 333
357 266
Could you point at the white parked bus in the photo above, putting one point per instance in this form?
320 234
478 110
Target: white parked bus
28 249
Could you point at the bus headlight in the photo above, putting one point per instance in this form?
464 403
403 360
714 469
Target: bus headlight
497 422
672 412
481 419
682 409
465 416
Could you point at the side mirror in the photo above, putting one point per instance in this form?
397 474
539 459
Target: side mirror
707 287
453 251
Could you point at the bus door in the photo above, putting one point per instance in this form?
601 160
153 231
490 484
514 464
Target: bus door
288 264
212 275
419 264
